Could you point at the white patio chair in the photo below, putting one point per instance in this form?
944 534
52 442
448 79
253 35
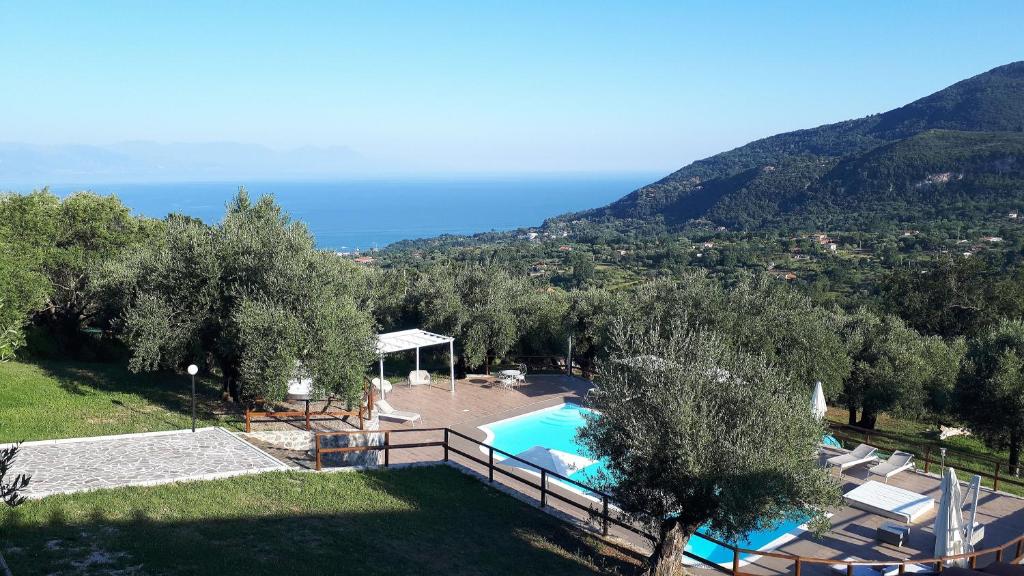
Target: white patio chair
521 377
419 378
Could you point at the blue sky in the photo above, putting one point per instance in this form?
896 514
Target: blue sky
509 87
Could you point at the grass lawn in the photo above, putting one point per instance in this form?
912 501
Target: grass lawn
430 520
49 400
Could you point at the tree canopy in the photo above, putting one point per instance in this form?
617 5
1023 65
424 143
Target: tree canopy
696 432
250 297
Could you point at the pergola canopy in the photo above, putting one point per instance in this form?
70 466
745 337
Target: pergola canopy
409 340
415 339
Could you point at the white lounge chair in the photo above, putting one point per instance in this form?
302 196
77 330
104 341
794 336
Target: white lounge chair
385 410
862 454
898 462
419 378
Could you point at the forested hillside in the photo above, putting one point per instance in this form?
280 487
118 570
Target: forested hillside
801 176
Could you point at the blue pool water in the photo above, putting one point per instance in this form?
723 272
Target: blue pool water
556 428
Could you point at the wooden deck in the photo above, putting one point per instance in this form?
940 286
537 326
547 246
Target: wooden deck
478 401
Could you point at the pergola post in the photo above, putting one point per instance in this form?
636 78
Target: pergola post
382 376
417 360
451 361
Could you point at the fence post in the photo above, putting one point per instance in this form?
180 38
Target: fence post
445 444
995 482
543 487
927 453
248 426
387 449
490 464
849 567
999 555
796 570
316 439
1020 543
736 561
604 514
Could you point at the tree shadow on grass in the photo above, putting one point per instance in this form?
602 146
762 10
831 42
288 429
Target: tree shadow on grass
166 390
422 521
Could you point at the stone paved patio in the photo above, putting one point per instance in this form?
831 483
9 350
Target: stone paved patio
78 464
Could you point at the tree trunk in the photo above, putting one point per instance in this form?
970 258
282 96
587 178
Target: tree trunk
853 414
1015 453
668 553
867 419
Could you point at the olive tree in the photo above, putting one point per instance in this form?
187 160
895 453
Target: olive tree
481 306
64 240
697 433
759 315
251 298
990 393
888 366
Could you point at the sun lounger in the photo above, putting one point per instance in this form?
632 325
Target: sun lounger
385 410
889 501
862 454
898 462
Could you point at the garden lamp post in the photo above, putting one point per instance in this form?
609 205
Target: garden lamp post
942 455
192 371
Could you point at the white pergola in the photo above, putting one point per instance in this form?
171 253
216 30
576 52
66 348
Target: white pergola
414 340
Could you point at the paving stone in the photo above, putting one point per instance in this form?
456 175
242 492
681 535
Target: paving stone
74 465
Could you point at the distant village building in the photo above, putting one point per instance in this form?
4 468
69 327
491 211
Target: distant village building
709 245
1013 215
364 260
832 246
992 239
564 248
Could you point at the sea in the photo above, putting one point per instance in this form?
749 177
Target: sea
371 214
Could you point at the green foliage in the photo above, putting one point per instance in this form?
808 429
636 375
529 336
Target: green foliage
58 244
253 296
481 306
696 432
758 315
990 392
959 296
889 370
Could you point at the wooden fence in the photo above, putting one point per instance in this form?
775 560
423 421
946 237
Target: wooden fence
605 512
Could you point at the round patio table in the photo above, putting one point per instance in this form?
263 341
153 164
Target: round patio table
510 373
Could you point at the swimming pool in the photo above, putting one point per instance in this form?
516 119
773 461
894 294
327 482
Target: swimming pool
556 428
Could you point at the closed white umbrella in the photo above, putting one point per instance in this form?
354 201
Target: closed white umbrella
949 533
818 406
563 463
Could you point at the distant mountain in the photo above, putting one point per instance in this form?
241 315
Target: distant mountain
955 148
152 161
